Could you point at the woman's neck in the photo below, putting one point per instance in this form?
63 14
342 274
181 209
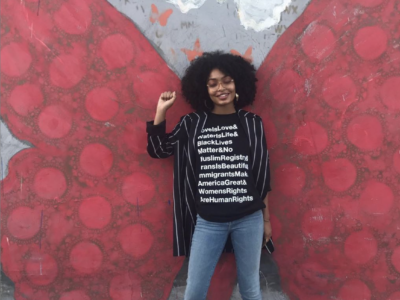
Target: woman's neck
224 110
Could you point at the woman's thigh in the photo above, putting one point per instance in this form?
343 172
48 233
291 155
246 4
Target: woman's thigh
208 241
247 237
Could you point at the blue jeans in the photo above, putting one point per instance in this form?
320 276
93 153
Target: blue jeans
208 241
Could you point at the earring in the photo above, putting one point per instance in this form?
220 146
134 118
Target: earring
237 97
205 104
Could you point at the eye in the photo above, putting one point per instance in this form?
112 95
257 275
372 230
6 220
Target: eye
212 83
227 80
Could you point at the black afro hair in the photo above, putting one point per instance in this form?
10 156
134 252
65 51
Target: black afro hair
194 81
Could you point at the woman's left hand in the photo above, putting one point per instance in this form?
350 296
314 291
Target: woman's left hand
267 231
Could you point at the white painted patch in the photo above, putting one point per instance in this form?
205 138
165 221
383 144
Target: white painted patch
253 14
186 5
9 147
260 14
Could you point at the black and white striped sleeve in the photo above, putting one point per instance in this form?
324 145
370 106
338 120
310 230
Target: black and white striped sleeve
161 144
262 176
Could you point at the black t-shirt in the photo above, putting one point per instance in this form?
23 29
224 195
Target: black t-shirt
225 190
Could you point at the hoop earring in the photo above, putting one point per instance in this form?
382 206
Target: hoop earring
205 104
237 98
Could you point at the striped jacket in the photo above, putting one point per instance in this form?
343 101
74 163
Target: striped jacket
181 142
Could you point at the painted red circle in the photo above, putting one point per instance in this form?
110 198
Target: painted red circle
339 174
117 51
41 269
136 240
101 104
310 139
96 159
285 86
25 98
289 179
86 257
396 160
360 247
55 121
74 17
396 259
370 42
95 212
138 188
365 132
74 295
147 87
15 59
368 3
318 41
25 291
126 286
67 70
317 223
354 289
24 222
339 91
394 296
377 198
50 183
390 92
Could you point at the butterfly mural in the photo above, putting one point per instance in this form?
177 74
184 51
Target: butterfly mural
86 214
157 17
247 55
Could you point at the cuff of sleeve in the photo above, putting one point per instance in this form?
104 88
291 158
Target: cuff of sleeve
158 129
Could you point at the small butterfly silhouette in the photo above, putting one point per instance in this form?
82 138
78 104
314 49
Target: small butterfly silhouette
161 18
247 55
196 52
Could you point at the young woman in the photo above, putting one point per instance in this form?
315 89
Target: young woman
221 171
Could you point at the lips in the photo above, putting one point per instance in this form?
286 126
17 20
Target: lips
223 96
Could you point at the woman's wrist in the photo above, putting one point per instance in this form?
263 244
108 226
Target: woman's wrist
266 215
160 116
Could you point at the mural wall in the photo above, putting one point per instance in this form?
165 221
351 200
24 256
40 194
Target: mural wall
331 85
86 214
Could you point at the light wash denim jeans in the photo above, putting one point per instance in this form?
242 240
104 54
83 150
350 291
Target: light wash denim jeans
208 241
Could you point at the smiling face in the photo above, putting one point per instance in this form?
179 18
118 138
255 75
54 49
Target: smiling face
222 92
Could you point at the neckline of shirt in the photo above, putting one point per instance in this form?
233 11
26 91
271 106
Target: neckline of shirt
223 115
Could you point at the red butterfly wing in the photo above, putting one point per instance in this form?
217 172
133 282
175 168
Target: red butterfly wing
327 92
86 211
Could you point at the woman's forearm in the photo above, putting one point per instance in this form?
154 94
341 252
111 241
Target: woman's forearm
165 101
266 210
160 116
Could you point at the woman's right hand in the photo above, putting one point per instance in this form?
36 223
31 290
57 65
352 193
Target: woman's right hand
166 100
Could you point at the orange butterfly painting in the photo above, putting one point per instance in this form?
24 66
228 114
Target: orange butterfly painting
248 55
161 18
